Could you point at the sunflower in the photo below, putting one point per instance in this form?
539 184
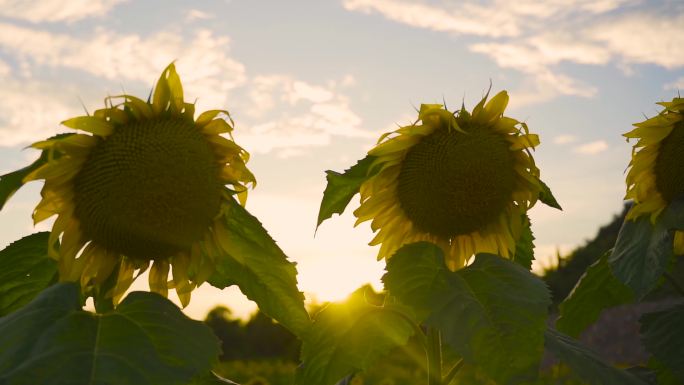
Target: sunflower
145 184
656 175
463 181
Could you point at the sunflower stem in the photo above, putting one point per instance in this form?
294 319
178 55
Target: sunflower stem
674 283
434 356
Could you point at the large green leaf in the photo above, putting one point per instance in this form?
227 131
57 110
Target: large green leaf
585 363
524 247
644 250
546 196
25 270
492 313
261 270
342 187
596 290
663 335
146 340
348 337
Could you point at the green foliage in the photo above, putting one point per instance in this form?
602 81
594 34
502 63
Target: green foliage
524 248
342 187
146 340
597 290
492 312
663 335
25 270
644 250
585 363
546 196
348 337
258 338
562 278
260 269
11 182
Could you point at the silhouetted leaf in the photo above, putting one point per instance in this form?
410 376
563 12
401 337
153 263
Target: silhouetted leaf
643 250
348 337
596 290
146 341
492 313
261 270
663 335
585 363
342 187
25 270
546 196
524 247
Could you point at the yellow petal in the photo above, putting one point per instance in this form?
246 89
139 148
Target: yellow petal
90 124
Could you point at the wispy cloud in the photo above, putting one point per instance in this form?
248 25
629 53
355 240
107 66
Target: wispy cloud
535 38
281 113
591 148
564 139
196 14
39 11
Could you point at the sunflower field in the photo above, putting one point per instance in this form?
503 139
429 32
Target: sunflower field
155 186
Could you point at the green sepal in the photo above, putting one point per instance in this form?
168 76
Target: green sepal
596 290
546 196
255 263
663 336
585 363
643 251
25 270
341 188
492 312
348 337
147 340
524 247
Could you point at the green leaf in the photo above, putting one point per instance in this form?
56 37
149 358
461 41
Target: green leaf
146 341
546 196
585 363
261 270
492 313
342 187
11 182
595 291
643 251
348 337
663 336
524 248
25 270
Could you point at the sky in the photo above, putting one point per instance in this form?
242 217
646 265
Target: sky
312 84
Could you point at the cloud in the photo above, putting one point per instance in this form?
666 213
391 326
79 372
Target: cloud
470 19
196 14
675 85
591 148
32 110
203 58
564 139
287 113
282 113
38 11
535 38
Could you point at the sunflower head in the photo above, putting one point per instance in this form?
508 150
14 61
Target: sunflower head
656 174
461 180
144 183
